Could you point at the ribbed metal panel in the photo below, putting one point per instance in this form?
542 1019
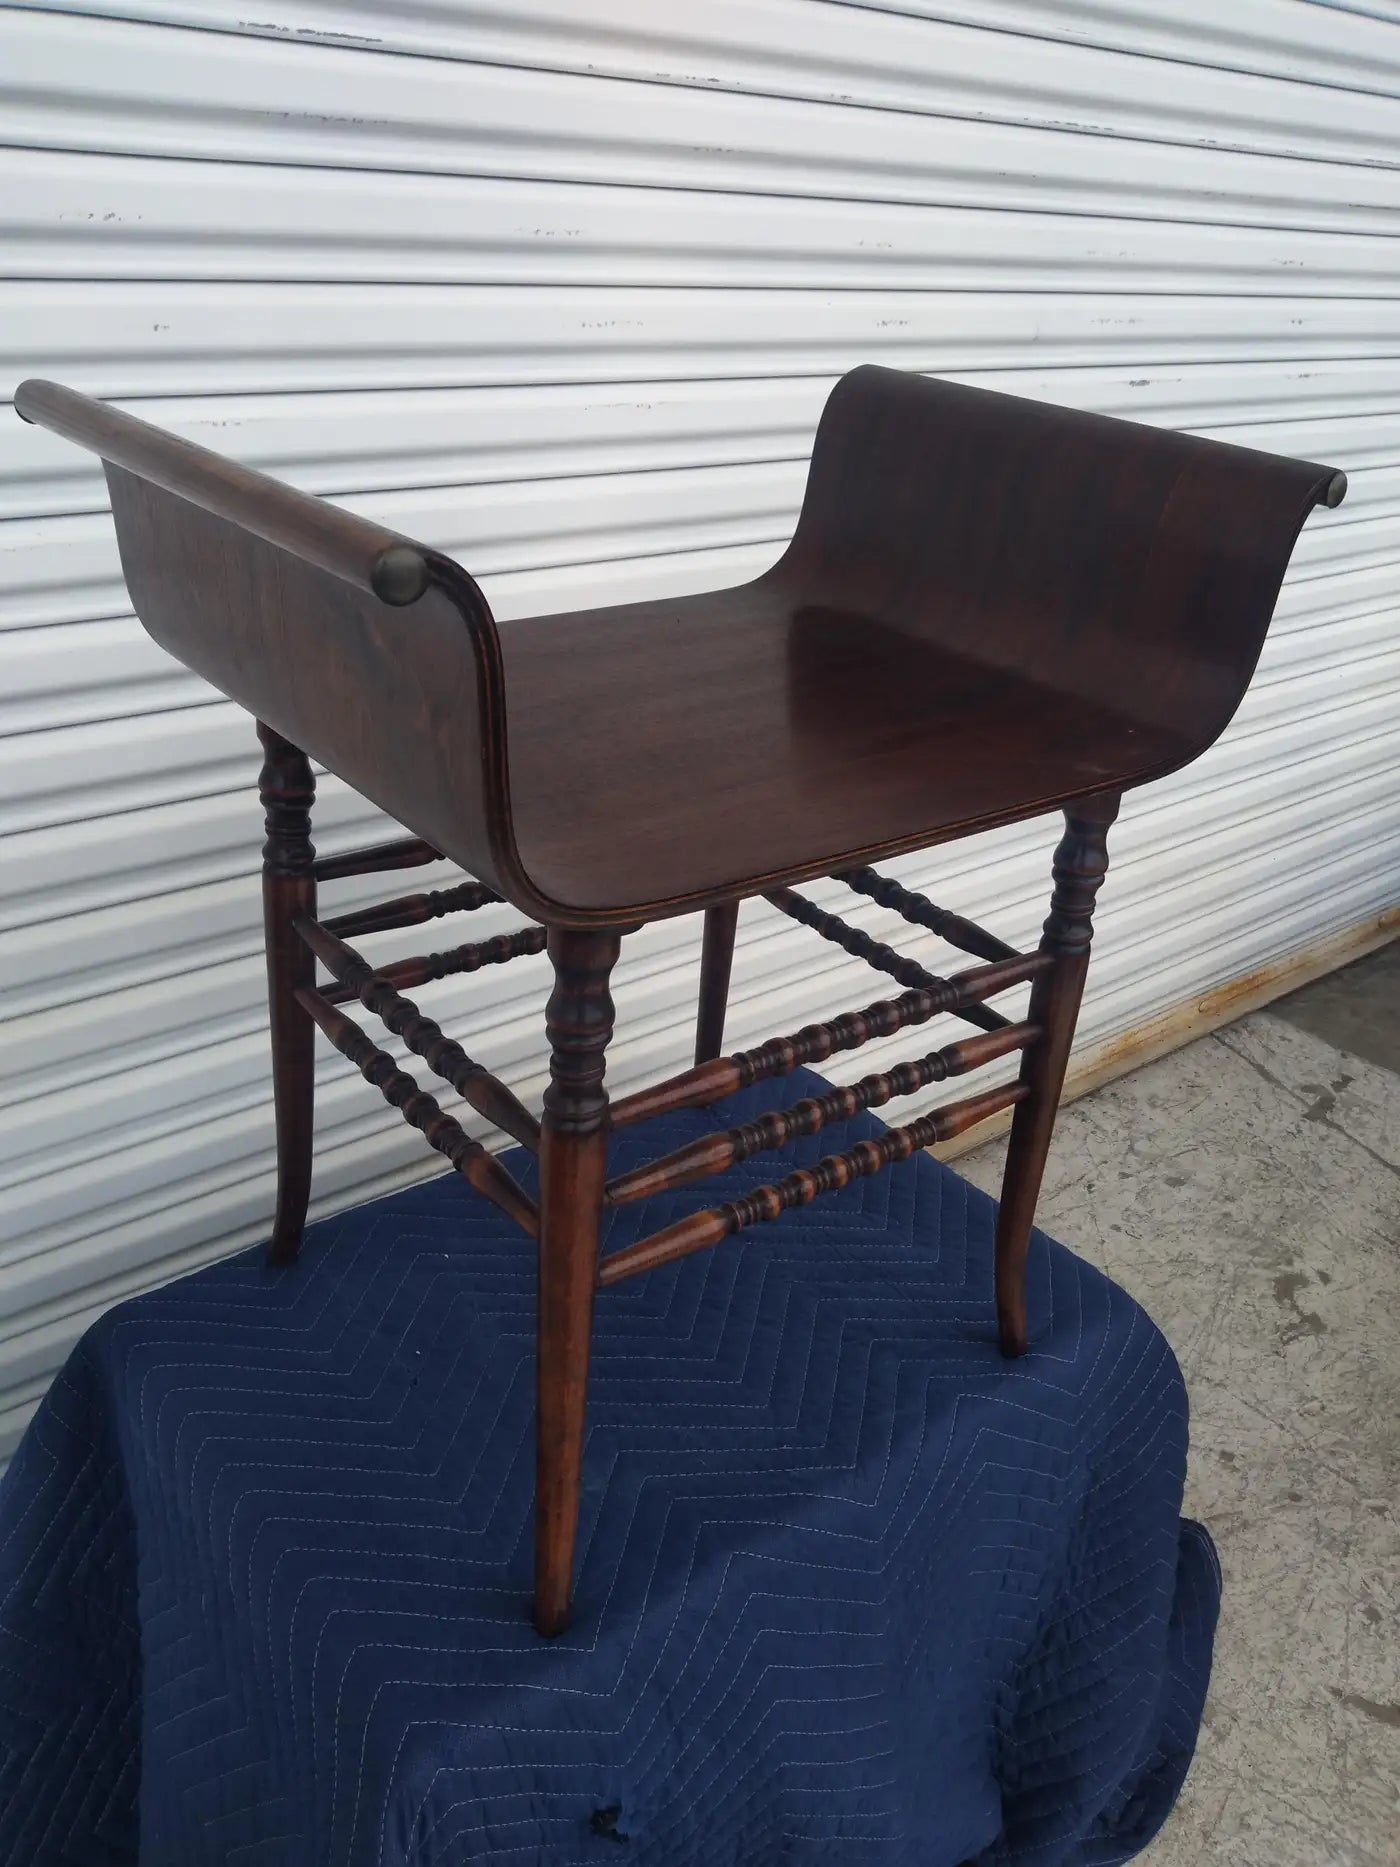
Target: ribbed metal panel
561 288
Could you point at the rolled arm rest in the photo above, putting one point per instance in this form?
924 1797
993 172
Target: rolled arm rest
1133 567
377 656
367 555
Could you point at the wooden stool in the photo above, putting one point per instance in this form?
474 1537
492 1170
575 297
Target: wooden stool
990 608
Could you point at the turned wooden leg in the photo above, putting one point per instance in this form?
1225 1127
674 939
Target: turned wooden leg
573 1162
288 789
1081 862
716 958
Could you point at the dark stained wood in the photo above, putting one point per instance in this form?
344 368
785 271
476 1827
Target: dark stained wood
287 790
986 600
716 960
425 967
403 852
412 910
964 934
714 1153
990 608
883 958
1081 861
709 1082
573 1164
360 553
421 1110
486 1093
703 1229
378 657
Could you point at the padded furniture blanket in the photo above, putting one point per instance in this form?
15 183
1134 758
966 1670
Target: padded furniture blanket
853 1588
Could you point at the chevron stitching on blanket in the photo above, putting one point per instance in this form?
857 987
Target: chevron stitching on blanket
852 1587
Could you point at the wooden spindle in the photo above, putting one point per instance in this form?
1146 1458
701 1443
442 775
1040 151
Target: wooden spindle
919 911
714 1153
703 1229
573 1166
445 1057
1080 864
883 958
287 788
405 852
709 1082
422 1111
412 910
716 959
425 967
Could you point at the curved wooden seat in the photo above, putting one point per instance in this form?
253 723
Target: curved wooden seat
989 605
989 608
720 743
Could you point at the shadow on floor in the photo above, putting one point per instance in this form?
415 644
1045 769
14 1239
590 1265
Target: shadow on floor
1357 1009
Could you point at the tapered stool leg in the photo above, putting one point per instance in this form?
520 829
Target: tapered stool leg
288 790
573 1162
716 958
1081 861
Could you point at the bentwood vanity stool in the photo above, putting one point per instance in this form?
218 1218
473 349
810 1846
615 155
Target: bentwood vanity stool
990 608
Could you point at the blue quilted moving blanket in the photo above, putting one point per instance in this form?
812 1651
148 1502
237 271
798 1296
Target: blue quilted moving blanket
853 1588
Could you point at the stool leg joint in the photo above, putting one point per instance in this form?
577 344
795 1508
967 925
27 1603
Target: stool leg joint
573 1165
1080 864
287 789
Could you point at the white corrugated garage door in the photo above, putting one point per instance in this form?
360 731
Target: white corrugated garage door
560 285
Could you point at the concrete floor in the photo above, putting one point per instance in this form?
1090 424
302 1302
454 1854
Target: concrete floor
1247 1190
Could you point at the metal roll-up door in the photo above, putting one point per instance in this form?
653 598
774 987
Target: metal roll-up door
561 287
